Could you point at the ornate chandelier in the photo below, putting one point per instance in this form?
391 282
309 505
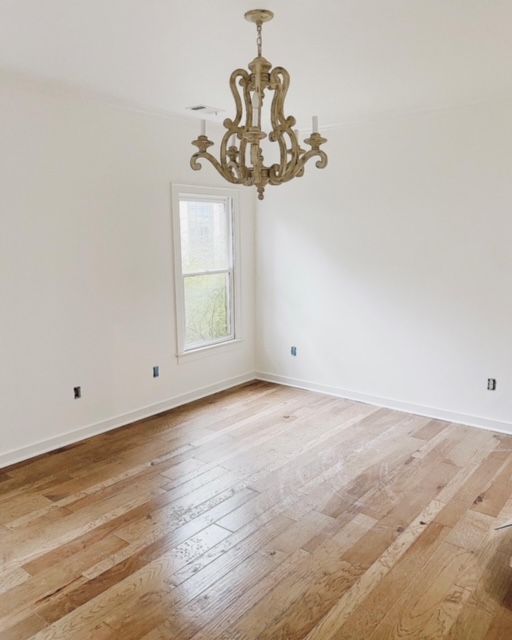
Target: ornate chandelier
241 157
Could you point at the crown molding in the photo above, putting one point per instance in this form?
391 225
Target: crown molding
59 88
68 90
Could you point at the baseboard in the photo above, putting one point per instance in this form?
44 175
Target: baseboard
389 403
44 446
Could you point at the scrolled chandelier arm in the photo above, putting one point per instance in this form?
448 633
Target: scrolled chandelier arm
241 158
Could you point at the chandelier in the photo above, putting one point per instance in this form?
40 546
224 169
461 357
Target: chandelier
241 157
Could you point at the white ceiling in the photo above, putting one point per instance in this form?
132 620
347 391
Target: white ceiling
348 58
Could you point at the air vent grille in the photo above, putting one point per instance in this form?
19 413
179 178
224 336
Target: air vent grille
205 109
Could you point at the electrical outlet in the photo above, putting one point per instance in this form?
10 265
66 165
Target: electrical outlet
293 351
156 372
491 384
77 392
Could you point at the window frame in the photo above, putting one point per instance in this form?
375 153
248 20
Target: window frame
207 194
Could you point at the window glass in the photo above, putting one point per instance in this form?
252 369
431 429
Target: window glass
204 236
207 314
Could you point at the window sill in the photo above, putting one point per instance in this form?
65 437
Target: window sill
210 350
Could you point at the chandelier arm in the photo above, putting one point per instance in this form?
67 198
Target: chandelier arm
224 171
243 75
314 141
276 178
321 163
287 168
280 82
281 172
278 170
298 169
230 158
293 152
239 77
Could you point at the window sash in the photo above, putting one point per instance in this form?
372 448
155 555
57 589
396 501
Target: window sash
230 310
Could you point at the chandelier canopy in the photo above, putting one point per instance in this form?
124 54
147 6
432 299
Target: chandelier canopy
241 157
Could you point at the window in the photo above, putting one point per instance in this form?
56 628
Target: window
206 252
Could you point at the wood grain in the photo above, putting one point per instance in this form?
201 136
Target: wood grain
265 513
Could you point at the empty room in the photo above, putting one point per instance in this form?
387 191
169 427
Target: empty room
255 320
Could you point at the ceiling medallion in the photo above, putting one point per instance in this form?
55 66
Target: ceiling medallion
241 157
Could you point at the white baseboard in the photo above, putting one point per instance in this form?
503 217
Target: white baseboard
389 403
70 437
24 453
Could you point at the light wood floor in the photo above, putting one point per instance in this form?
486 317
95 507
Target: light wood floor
264 512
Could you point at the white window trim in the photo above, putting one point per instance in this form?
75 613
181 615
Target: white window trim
229 343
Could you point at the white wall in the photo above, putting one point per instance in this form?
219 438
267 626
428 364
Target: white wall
86 287
391 270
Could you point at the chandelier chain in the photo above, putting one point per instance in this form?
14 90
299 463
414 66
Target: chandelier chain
259 38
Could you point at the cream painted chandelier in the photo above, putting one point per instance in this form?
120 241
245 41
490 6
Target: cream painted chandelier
241 157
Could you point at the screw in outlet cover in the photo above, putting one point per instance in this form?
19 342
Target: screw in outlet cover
491 384
156 372
77 392
293 351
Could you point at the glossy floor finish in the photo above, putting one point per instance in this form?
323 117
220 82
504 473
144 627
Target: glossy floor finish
262 513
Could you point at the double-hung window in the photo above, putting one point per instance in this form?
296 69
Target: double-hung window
206 253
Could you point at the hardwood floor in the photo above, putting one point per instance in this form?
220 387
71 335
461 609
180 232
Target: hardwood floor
262 513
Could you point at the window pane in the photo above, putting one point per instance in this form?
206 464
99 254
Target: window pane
207 317
205 236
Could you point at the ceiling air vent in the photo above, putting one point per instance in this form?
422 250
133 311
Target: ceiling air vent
205 109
